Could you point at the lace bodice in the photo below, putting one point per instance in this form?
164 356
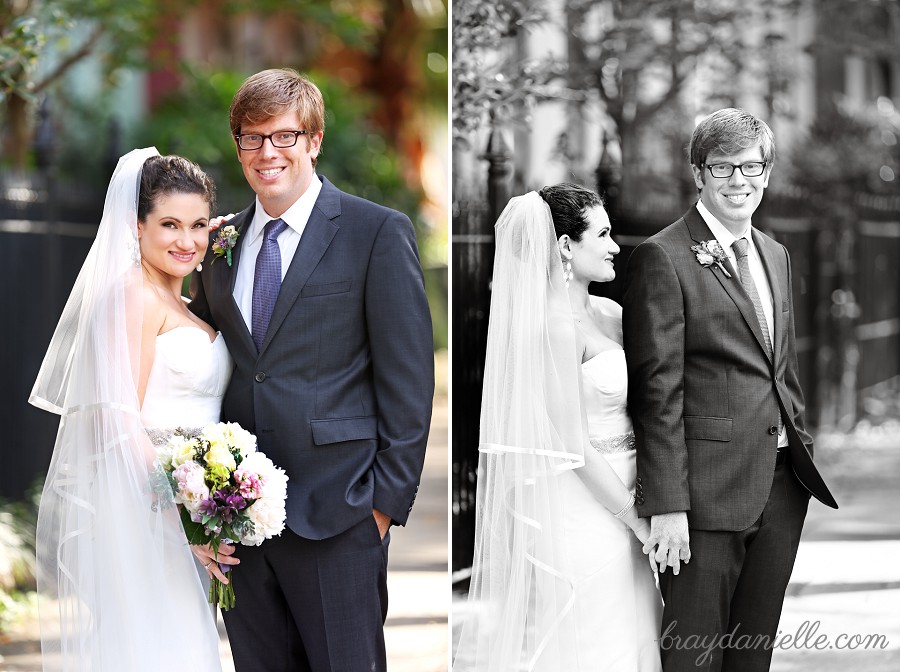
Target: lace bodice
187 380
605 383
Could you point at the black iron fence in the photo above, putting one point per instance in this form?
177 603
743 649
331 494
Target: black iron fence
46 230
846 298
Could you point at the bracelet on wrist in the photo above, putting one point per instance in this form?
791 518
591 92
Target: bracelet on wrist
627 507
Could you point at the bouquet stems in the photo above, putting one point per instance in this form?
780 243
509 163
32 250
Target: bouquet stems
221 594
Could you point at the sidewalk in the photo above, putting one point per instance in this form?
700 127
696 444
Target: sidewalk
416 628
847 576
846 579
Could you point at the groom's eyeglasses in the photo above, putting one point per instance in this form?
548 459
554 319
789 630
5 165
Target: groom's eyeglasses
752 169
280 139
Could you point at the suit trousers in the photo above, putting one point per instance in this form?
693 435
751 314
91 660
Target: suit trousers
306 605
722 610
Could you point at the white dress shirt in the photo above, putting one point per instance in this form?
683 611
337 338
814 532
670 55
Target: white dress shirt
296 218
758 273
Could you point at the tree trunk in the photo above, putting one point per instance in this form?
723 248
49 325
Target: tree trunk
16 142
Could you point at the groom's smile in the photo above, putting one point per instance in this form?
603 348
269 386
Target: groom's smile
734 199
270 173
279 175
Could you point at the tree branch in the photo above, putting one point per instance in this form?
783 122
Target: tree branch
71 59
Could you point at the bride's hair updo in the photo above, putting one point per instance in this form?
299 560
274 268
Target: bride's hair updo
164 175
568 204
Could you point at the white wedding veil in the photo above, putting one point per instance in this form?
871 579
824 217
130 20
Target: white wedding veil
116 579
532 433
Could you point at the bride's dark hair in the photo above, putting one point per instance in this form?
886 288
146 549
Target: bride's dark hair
163 175
568 203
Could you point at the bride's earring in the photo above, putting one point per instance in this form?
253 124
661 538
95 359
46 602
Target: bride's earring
566 256
200 267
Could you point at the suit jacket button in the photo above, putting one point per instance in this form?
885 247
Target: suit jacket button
259 377
639 500
637 480
773 430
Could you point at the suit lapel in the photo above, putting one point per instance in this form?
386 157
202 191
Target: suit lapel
770 264
226 277
317 236
700 232
246 220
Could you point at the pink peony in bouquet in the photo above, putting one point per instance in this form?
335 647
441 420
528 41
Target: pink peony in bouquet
228 491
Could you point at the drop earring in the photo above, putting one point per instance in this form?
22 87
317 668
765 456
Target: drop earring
567 272
200 267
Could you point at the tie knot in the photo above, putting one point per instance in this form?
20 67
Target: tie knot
274 228
740 247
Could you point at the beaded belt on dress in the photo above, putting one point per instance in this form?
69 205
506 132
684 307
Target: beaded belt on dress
617 443
160 437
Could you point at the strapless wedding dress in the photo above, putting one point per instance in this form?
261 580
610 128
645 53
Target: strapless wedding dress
185 389
617 604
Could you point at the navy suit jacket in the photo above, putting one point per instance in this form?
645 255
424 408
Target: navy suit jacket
703 392
340 395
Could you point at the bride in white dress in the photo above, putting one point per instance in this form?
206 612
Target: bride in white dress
128 364
559 580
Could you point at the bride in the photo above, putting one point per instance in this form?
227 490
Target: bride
128 363
559 579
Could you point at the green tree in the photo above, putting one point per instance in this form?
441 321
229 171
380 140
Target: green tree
37 48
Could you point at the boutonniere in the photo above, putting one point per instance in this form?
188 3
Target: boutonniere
225 240
709 252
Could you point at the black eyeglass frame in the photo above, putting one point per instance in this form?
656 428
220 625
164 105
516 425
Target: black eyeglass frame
710 166
270 137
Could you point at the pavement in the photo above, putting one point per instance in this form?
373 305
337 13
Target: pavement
842 608
416 631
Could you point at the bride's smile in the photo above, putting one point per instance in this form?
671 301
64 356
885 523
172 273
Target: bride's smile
175 234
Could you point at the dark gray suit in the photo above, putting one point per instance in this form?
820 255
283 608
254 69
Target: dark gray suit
340 397
705 396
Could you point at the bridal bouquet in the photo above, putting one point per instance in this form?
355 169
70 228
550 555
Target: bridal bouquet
229 491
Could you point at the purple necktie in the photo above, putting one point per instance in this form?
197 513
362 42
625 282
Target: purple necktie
266 280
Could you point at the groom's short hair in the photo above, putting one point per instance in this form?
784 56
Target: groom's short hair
730 131
271 93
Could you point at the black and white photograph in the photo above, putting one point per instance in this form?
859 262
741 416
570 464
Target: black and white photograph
675 408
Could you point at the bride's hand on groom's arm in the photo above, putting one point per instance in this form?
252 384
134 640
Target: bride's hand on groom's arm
216 222
669 534
211 561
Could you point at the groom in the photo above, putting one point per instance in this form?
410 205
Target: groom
323 309
724 464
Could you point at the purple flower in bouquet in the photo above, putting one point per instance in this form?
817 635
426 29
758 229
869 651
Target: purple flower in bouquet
229 505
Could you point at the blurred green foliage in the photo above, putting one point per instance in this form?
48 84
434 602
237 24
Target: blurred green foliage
18 521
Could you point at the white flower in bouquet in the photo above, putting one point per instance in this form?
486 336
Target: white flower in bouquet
268 516
273 479
238 437
181 450
215 435
191 480
220 456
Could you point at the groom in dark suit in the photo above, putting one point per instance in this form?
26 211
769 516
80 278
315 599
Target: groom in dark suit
724 465
323 308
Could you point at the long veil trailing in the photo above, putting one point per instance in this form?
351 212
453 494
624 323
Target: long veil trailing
117 582
532 432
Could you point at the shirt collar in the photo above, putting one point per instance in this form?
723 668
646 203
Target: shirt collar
295 216
723 235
